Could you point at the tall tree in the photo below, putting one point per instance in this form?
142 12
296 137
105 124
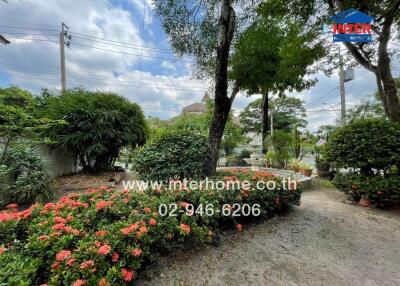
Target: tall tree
374 56
206 29
271 56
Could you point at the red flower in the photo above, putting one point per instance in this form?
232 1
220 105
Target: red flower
59 220
239 227
104 250
103 204
62 255
128 230
2 250
70 261
147 210
55 265
115 257
153 222
87 264
185 228
79 282
59 226
143 229
136 252
101 233
43 237
127 275
12 206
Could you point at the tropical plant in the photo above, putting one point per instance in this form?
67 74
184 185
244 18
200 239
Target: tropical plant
98 125
24 177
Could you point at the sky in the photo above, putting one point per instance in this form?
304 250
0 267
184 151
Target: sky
120 46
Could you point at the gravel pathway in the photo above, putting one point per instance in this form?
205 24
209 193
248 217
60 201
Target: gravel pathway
325 241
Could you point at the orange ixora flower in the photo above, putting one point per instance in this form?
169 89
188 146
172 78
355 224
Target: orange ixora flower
152 222
185 228
55 266
104 250
2 250
79 282
239 227
128 230
12 206
70 261
63 255
87 264
101 233
103 204
147 210
43 237
127 275
136 252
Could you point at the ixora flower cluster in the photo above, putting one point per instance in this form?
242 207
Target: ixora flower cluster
105 237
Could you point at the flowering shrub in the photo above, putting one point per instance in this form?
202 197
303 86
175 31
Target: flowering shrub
383 192
105 237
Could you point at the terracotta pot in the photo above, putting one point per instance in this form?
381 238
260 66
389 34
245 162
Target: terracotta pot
306 173
364 202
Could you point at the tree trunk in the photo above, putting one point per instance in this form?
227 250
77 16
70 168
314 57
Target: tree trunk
264 121
5 150
222 102
384 73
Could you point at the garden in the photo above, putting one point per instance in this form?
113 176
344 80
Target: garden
95 191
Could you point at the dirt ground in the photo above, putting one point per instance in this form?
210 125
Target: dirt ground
325 241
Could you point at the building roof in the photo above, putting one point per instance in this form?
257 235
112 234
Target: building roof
195 107
4 40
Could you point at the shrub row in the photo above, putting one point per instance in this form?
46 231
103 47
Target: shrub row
383 192
105 237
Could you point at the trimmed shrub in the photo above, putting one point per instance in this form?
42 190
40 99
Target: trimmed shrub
105 237
365 144
24 177
383 192
173 155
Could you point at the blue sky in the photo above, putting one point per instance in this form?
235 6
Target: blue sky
141 65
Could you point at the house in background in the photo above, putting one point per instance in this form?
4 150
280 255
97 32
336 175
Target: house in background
4 40
255 143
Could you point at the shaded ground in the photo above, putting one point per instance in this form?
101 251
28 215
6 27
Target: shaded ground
325 241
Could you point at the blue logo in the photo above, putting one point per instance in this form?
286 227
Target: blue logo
352 26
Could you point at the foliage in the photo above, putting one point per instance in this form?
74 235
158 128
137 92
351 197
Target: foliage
289 113
25 178
284 50
200 123
98 125
282 143
383 192
172 155
366 110
105 237
365 144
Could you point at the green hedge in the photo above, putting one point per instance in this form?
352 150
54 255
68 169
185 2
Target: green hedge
365 144
171 156
105 237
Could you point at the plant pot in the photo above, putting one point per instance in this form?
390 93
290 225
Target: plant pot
323 173
364 202
306 173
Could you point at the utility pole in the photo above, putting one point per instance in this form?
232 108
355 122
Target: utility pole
65 40
342 91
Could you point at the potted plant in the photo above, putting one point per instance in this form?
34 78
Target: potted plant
306 169
295 165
